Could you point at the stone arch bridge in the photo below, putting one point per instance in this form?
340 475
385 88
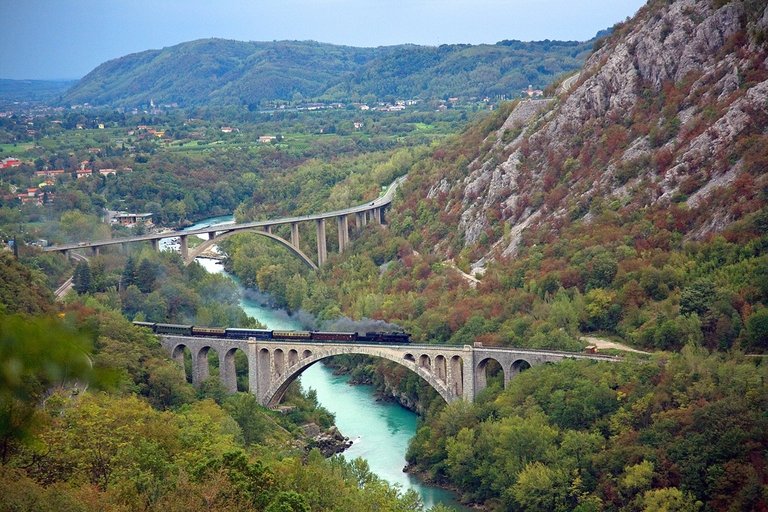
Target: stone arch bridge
455 372
371 212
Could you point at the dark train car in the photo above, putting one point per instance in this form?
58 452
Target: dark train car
214 332
175 329
148 325
333 336
397 338
243 334
291 335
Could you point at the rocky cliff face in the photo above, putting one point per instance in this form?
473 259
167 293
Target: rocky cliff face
671 112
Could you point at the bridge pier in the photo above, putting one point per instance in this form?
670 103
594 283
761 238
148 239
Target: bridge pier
360 219
227 371
295 234
155 244
343 225
95 251
322 248
183 247
200 370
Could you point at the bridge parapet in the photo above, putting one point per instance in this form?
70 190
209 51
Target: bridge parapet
455 372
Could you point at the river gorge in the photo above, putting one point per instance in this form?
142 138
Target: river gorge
379 430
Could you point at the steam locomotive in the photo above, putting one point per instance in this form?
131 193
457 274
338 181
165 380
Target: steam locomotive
394 338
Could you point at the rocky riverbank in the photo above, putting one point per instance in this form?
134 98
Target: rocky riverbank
329 442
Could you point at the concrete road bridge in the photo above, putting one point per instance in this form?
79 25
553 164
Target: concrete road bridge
455 372
370 212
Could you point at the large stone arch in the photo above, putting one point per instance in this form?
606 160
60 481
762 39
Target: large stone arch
200 249
277 389
481 381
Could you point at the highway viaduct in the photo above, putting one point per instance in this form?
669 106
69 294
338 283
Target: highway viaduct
370 212
455 372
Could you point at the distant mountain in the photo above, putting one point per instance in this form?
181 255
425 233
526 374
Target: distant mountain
32 91
220 72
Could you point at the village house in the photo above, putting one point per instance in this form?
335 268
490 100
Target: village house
9 162
33 195
130 219
83 173
50 173
266 139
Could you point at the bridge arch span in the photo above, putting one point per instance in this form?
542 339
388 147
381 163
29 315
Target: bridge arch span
518 366
200 249
455 372
277 389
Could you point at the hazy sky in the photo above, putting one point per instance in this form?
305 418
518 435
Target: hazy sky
50 39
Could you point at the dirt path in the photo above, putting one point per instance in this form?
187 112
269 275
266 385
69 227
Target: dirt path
472 280
603 343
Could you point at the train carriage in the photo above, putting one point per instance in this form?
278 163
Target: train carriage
333 336
174 329
148 325
214 332
243 334
291 335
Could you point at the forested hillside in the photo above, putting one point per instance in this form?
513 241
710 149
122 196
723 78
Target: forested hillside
216 72
633 207
95 417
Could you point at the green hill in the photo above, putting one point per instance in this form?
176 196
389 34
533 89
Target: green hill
220 72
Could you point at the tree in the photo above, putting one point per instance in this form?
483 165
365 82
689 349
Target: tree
698 297
81 279
36 353
133 301
130 274
757 330
540 488
288 501
669 499
296 291
146 275
249 414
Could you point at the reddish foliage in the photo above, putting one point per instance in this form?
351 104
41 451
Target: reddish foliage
663 159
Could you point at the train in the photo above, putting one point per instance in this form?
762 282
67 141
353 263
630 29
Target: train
238 333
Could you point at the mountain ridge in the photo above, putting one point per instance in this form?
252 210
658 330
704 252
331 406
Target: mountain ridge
670 112
220 72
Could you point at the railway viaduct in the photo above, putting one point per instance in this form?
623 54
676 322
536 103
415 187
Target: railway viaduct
370 212
455 372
